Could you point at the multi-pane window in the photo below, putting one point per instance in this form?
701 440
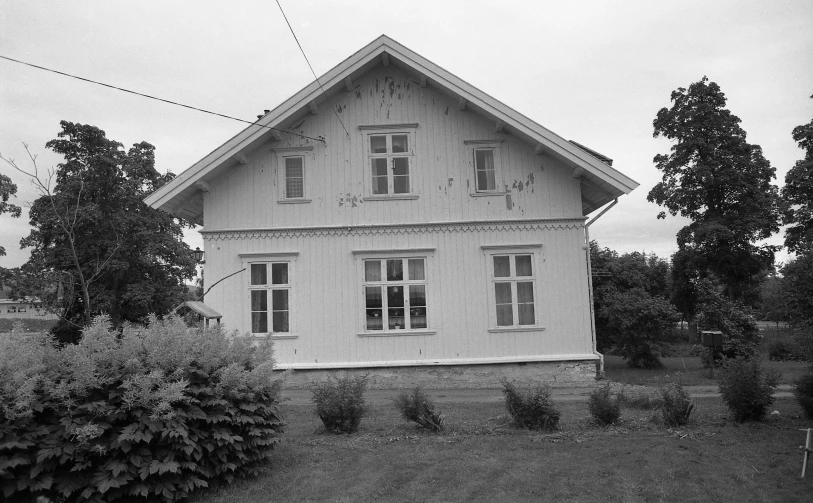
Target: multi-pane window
294 177
389 163
270 291
485 179
513 282
395 294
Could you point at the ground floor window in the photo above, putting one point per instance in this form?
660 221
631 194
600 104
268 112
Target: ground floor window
512 277
394 291
270 294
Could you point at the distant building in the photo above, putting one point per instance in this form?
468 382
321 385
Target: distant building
25 308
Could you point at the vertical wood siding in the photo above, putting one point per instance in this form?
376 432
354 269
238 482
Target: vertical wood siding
327 309
441 173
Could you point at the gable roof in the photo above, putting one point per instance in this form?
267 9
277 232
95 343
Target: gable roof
600 182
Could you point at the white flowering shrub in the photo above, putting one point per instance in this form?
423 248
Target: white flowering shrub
149 412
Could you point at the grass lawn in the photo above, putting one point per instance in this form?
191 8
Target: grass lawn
688 370
481 458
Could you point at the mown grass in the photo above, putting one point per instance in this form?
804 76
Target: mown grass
480 457
688 370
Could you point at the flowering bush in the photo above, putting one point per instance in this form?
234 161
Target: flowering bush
152 412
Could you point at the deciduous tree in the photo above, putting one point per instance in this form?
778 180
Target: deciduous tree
722 183
110 252
7 191
798 193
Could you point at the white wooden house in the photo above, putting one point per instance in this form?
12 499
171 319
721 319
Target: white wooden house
400 217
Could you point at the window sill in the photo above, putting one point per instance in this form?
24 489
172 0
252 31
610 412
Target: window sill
487 194
276 336
396 333
399 197
293 201
514 329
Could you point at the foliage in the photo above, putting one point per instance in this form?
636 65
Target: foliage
418 408
803 391
96 247
146 412
633 314
798 194
786 351
26 324
797 289
747 389
7 190
714 177
530 405
340 402
678 406
740 332
605 408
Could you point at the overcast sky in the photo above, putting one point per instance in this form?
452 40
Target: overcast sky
592 71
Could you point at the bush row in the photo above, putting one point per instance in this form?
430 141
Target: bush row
148 413
745 387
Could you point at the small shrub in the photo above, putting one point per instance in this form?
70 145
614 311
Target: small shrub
340 402
747 389
417 407
677 406
530 406
604 408
803 390
785 351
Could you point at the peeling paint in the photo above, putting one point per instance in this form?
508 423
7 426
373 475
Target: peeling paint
450 181
508 203
531 178
358 94
468 184
447 111
376 86
520 186
392 88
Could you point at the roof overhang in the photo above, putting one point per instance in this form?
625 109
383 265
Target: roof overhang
182 196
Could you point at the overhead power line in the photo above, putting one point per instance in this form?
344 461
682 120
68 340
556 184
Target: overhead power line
309 64
254 123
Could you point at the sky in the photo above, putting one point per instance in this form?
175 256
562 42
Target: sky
596 72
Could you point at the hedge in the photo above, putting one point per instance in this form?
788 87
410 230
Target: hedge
142 413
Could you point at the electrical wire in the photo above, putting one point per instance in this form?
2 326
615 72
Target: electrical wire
255 123
309 64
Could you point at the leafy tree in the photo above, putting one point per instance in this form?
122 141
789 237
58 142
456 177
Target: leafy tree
7 190
93 235
798 193
714 177
631 299
797 289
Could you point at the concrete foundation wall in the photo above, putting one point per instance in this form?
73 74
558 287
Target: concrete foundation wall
556 374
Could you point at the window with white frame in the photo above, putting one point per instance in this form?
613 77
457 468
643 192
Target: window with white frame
390 156
513 278
484 171
294 173
394 291
270 296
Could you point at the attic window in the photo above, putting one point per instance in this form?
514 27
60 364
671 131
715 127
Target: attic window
484 169
390 157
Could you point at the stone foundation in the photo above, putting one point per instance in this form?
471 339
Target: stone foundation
481 376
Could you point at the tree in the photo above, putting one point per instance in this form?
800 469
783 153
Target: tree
798 194
109 252
633 313
722 183
797 289
7 190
